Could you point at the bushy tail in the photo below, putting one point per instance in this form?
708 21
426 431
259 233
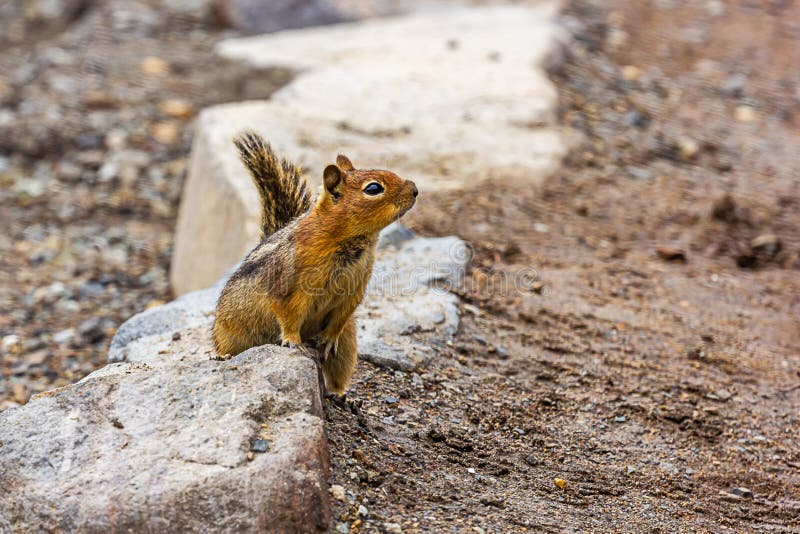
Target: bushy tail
283 190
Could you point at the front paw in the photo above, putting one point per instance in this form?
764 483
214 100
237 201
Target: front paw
344 402
328 349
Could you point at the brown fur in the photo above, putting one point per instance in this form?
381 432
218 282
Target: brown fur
302 283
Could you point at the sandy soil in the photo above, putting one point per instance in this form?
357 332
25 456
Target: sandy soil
620 391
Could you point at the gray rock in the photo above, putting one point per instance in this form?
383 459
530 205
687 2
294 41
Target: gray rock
735 84
136 447
402 300
742 492
139 335
265 16
64 336
91 330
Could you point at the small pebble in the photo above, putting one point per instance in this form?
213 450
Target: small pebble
634 118
743 492
734 85
338 492
631 73
154 65
344 528
165 132
541 228
560 482
64 336
10 343
769 244
362 510
688 148
260 445
391 400
671 253
91 330
620 419
745 114
176 336
176 107
639 172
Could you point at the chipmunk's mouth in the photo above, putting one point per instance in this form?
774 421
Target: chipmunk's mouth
404 211
409 201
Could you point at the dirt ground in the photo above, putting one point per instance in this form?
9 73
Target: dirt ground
647 379
622 390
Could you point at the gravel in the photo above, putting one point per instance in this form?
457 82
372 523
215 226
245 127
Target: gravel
97 101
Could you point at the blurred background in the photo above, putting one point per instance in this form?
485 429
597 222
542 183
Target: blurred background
687 103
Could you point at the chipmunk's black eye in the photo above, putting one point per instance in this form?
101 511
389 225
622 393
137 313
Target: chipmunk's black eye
373 188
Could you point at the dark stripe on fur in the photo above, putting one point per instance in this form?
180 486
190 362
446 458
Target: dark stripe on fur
351 250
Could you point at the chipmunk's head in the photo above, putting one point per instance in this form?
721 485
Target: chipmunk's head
365 200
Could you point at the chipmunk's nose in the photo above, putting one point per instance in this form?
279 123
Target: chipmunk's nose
414 190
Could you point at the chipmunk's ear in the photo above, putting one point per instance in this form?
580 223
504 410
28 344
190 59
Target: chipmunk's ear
333 179
344 163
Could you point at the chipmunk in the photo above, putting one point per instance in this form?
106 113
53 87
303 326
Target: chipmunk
301 284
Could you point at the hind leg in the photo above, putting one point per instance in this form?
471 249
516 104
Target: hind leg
339 365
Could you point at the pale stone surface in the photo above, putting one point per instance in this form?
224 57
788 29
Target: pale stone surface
402 300
219 212
138 447
146 334
446 98
407 294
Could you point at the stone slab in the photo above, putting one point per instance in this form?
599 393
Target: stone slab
447 98
137 447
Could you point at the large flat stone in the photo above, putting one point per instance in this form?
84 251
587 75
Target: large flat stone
447 98
140 447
